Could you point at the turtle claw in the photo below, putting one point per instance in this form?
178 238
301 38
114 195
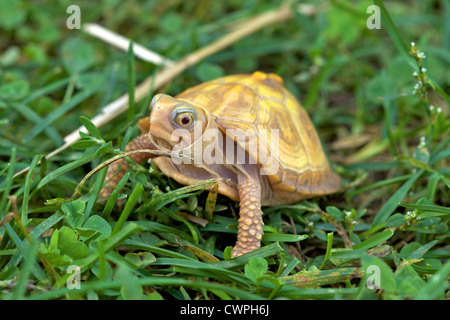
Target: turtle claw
245 245
237 252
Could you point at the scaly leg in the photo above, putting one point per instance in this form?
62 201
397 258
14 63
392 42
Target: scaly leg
118 168
250 216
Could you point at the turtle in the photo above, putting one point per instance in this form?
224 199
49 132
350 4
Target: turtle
248 131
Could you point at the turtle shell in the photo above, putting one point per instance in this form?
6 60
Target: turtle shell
258 104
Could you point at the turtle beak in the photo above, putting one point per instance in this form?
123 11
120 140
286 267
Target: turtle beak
162 136
160 127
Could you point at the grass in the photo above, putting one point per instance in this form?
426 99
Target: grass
380 107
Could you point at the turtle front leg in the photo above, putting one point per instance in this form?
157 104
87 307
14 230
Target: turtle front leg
118 168
250 216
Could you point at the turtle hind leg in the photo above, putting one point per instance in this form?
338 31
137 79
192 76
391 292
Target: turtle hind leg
250 216
118 168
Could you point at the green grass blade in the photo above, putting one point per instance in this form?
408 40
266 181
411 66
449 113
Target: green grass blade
30 260
27 187
93 195
379 184
22 247
153 249
91 128
9 181
394 33
393 202
29 114
290 292
160 228
402 46
60 111
418 253
374 240
113 197
111 243
210 269
427 207
187 223
35 234
46 90
263 252
329 247
131 203
4 169
152 281
280 237
424 166
436 285
311 279
160 200
290 267
64 169
46 224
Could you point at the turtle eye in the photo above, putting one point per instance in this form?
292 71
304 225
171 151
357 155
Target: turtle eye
183 117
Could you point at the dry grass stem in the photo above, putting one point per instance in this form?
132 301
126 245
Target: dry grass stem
123 43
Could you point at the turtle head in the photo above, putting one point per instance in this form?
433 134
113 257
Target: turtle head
175 122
